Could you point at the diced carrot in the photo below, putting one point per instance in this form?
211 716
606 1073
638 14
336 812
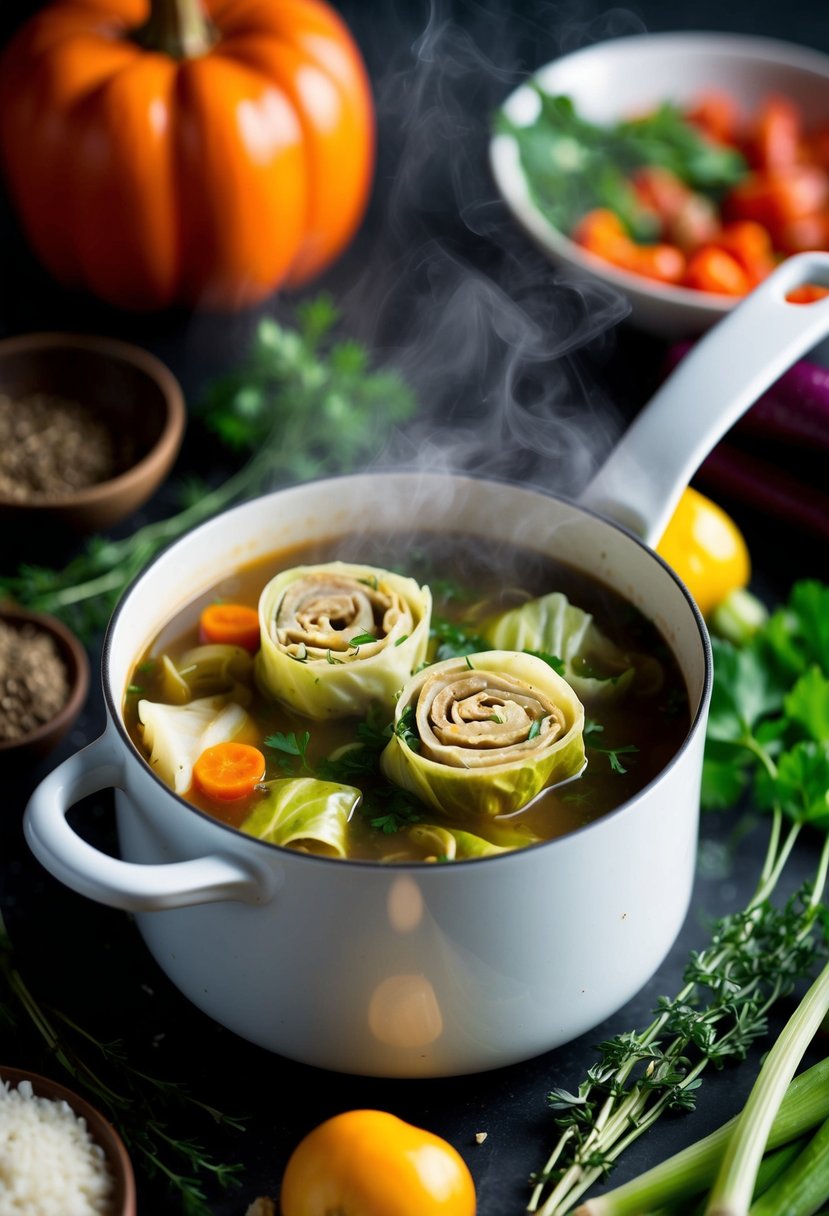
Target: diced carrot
664 263
716 114
600 230
773 142
232 624
750 243
713 269
807 294
229 771
772 199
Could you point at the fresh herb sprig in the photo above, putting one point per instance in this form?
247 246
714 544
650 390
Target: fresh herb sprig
301 405
386 807
768 732
130 1097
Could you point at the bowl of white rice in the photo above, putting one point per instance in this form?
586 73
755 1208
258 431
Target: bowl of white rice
59 1156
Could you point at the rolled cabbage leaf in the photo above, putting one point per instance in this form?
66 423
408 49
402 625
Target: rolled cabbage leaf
485 733
337 638
306 814
176 735
594 665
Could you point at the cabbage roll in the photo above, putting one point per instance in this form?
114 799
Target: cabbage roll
593 665
306 814
485 733
337 638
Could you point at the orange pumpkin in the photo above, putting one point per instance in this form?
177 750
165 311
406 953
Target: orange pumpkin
186 153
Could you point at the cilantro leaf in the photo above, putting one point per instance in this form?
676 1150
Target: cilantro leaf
744 691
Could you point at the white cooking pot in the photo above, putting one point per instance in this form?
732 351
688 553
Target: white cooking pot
418 970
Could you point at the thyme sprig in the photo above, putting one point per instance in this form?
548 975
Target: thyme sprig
768 730
128 1095
301 405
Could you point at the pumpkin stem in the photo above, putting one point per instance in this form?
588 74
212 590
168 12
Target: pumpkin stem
179 28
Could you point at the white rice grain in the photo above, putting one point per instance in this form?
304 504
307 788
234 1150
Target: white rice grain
49 1163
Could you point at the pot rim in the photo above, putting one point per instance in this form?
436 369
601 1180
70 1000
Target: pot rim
116 716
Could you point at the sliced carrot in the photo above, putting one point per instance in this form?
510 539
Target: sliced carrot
712 269
228 771
665 263
807 294
602 232
232 624
750 243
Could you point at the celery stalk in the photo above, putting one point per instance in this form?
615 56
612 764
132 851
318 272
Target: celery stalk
690 1171
804 1186
734 1184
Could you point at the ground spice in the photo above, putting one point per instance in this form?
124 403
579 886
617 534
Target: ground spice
34 681
51 446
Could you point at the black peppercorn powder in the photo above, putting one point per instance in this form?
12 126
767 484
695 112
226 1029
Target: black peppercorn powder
34 682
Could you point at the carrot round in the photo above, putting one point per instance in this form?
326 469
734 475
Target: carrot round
232 624
228 771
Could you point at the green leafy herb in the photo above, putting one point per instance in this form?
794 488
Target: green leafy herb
572 165
289 748
453 640
362 639
406 729
302 405
768 732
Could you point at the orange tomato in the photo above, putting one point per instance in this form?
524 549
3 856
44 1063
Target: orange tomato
180 151
370 1163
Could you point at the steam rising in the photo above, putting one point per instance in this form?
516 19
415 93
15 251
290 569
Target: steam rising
490 336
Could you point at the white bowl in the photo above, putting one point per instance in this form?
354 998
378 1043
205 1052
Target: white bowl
615 79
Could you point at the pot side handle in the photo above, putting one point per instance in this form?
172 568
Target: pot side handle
121 884
726 371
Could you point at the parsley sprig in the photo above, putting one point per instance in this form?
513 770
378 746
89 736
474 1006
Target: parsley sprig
303 404
386 807
768 735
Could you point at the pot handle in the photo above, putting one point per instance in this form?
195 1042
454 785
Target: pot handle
726 371
122 884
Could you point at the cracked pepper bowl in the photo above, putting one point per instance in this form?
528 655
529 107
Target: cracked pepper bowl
122 389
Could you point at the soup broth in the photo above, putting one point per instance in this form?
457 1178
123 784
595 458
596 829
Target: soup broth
636 711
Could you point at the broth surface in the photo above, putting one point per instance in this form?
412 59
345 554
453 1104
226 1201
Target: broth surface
628 740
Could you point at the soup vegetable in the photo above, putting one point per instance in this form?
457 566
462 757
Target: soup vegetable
453 705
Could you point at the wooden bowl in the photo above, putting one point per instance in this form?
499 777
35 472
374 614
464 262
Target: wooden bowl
131 392
33 746
100 1129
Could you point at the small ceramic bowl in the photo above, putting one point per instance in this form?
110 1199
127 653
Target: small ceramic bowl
100 1129
133 394
38 742
626 76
